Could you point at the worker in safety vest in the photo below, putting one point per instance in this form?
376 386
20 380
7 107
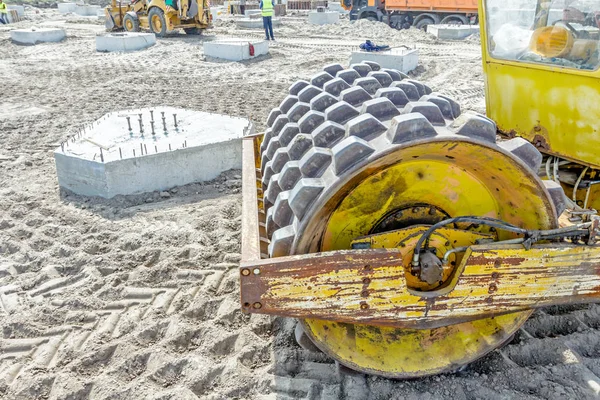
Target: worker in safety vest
267 13
3 13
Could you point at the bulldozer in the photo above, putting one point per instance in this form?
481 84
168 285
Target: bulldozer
410 237
193 16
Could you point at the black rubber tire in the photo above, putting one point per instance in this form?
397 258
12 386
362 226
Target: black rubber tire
348 112
192 31
455 19
158 13
326 128
135 23
303 340
423 22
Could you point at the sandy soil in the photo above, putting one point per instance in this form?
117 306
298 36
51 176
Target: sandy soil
137 297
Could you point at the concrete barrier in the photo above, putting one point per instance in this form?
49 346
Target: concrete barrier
452 32
253 13
13 16
37 35
323 18
336 6
87 10
124 41
399 58
65 8
19 9
235 49
255 23
218 12
110 160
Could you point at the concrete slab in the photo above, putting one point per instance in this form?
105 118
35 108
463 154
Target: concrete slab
37 35
13 16
65 8
19 9
399 58
452 32
336 6
218 12
255 23
108 159
124 41
87 10
323 18
253 13
235 49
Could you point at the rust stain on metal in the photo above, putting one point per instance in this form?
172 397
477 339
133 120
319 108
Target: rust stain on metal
334 285
540 142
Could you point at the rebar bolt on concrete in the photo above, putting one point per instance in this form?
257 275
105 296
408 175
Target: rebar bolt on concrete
101 155
145 149
141 150
156 149
120 153
152 126
129 123
62 147
175 119
141 127
152 115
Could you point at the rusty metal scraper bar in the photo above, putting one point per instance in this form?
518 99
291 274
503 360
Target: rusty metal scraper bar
368 286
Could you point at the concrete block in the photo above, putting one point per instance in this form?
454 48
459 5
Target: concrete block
124 41
108 159
336 6
65 8
235 49
399 58
20 9
87 10
218 12
37 35
253 13
255 23
323 18
452 32
13 16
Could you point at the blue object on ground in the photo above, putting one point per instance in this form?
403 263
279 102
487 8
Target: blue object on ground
370 46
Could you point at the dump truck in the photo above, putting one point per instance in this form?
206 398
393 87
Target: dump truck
410 237
402 14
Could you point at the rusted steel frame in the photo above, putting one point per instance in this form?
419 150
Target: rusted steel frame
250 223
491 280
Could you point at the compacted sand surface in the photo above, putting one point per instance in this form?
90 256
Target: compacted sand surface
137 296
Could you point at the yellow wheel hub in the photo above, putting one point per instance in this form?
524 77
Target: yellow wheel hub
156 23
475 180
128 25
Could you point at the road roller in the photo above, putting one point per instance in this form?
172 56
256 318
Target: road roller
410 237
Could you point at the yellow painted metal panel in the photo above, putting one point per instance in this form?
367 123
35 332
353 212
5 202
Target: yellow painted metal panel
556 108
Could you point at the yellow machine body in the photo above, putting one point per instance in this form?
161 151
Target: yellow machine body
553 106
167 19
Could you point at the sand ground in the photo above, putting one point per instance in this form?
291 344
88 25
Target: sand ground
137 297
